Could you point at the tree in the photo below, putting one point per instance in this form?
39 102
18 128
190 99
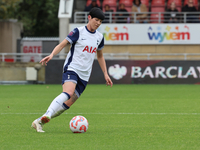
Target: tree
39 18
8 8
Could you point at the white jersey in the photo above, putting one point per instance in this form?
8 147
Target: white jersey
84 45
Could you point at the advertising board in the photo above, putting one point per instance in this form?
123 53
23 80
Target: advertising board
150 34
148 72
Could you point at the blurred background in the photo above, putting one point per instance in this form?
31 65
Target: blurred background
146 41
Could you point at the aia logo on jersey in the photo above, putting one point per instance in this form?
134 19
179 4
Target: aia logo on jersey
90 50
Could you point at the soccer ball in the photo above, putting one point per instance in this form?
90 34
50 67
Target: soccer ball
78 124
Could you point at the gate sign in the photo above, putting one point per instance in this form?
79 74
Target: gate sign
31 49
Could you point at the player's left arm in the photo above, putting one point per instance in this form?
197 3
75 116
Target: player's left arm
102 64
55 51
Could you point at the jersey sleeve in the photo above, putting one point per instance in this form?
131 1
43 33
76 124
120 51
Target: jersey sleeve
73 36
101 45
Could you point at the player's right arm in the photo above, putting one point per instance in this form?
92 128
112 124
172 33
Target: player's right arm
55 51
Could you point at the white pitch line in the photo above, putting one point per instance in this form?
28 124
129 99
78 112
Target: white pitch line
107 113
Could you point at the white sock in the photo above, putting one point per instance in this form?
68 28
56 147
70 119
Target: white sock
56 107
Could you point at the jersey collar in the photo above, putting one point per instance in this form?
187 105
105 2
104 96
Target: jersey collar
90 31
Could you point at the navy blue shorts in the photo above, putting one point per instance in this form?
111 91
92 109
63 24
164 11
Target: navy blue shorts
71 76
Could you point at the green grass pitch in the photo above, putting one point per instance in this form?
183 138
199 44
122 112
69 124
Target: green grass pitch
124 117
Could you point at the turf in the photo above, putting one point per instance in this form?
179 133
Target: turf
124 117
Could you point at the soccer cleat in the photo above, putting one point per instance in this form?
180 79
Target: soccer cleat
45 119
37 125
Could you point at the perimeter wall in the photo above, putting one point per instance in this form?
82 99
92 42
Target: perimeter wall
10 31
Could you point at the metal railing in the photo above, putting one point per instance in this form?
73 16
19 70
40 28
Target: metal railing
153 56
152 17
23 57
27 57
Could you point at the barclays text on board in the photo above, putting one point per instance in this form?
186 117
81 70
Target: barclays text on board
163 72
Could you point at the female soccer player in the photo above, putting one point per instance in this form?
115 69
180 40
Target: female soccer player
85 42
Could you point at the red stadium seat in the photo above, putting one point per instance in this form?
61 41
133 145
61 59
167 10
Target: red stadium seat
145 2
157 9
127 3
155 18
90 1
157 6
156 3
110 2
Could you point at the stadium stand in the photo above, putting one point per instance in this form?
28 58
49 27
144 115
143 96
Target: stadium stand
145 2
90 1
157 6
195 3
155 18
128 4
158 3
156 9
177 2
111 3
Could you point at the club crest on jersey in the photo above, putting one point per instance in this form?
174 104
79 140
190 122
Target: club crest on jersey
90 50
71 33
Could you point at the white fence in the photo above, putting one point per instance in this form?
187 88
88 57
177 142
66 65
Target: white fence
25 57
13 57
152 17
153 56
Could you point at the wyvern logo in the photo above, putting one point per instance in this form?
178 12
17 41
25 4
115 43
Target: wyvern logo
116 36
90 50
169 34
163 72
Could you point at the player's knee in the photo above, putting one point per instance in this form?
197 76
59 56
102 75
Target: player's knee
68 93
